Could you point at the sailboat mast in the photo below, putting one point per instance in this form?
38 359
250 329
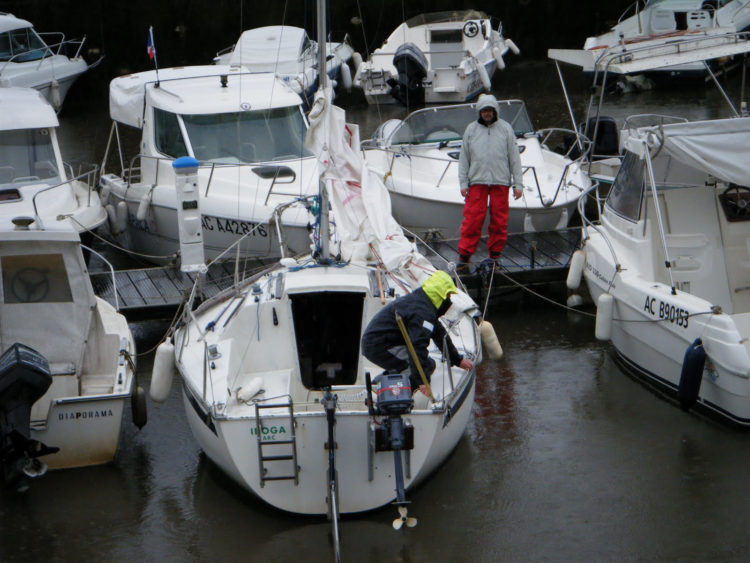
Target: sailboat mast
324 254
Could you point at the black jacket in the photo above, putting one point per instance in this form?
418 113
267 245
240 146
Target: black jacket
421 321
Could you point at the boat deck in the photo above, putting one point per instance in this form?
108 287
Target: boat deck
529 259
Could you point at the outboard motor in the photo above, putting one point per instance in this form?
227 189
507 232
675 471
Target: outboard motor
24 377
394 401
411 65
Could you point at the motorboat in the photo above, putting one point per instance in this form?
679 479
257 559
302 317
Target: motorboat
275 387
658 22
246 130
418 157
34 180
668 262
436 57
666 258
27 60
289 52
67 363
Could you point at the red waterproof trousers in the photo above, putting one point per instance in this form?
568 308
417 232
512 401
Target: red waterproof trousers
475 211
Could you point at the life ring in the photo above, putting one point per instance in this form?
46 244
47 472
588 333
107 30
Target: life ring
471 29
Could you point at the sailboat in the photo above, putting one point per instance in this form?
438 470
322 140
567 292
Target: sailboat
275 388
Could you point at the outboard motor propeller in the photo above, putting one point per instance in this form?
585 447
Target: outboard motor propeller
411 65
394 401
24 377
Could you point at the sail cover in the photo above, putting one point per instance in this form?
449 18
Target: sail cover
720 147
360 202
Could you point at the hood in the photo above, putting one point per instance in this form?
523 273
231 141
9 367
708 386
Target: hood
438 286
487 101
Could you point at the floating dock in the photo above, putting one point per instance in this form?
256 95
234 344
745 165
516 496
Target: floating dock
529 259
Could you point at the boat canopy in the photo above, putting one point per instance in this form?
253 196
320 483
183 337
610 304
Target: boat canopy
720 147
196 90
445 17
25 108
275 48
9 22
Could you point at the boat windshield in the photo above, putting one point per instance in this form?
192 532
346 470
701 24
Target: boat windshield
26 155
248 136
627 190
22 45
435 125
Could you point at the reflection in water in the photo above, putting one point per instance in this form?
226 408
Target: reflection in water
566 458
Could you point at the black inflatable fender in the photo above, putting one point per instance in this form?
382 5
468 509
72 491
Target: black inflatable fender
692 374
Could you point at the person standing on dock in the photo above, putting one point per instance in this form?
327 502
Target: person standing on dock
489 163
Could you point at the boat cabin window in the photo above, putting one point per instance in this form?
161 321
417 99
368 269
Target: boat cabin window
22 45
35 278
248 137
327 329
626 193
454 36
167 134
27 155
434 125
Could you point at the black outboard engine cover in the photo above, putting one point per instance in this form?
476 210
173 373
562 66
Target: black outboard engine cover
24 377
394 394
411 65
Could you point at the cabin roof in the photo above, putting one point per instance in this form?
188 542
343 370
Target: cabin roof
9 22
196 90
25 108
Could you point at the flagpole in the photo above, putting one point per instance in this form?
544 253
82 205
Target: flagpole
151 49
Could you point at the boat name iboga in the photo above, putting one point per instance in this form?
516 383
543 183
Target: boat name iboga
269 432
666 311
84 415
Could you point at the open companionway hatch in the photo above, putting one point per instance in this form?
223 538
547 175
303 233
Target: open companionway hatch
327 328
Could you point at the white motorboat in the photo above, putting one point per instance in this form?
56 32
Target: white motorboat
290 53
419 159
27 60
435 57
658 22
669 262
273 379
67 372
667 256
246 129
34 179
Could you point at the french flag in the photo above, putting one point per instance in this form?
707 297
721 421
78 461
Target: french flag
150 49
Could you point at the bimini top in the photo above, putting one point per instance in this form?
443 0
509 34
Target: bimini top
25 108
275 48
9 22
444 17
197 90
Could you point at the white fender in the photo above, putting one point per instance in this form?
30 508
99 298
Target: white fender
247 392
574 300
356 60
498 54
484 77
345 74
162 372
575 270
512 46
54 94
112 219
121 216
143 206
490 341
104 193
605 306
